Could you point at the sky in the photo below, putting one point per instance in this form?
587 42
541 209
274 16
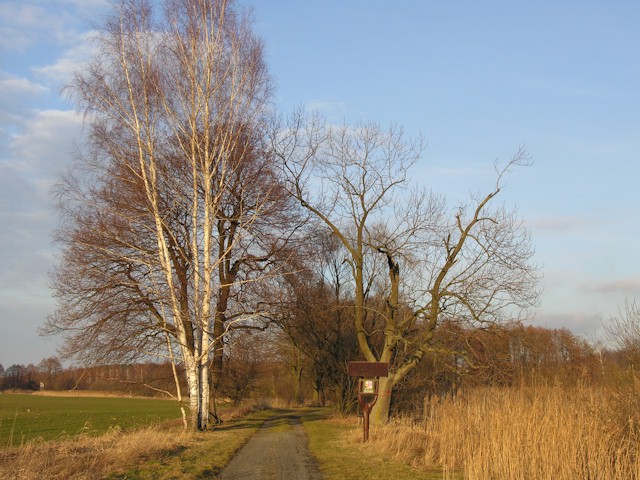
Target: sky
475 79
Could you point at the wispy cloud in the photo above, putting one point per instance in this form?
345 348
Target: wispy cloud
28 167
61 71
23 24
86 4
43 41
564 224
16 92
11 85
28 162
16 21
327 107
27 22
579 323
45 144
628 286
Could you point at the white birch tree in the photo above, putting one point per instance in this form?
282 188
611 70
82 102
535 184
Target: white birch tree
165 226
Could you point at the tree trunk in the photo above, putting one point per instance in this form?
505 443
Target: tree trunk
203 402
296 372
380 412
192 382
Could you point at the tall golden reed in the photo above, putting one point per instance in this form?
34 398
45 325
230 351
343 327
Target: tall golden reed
525 433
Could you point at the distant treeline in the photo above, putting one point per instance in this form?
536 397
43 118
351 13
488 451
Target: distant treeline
505 355
141 378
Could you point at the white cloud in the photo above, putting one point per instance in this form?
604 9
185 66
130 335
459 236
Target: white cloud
627 286
41 42
587 325
28 167
326 106
26 23
564 224
11 40
46 144
61 71
12 84
16 21
16 93
86 4
23 24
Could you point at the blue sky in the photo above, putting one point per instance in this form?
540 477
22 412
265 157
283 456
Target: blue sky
476 79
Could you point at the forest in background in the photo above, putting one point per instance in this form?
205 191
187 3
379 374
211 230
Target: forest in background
275 366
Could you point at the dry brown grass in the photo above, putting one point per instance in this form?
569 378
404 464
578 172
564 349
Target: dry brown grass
157 452
511 434
87 457
88 393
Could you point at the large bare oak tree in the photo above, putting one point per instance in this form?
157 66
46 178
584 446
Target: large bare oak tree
471 265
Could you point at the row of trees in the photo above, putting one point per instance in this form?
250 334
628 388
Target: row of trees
31 377
195 215
290 366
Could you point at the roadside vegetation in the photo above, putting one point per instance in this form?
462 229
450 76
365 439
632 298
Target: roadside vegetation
337 445
522 433
159 451
517 432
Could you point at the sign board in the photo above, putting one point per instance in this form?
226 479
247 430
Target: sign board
368 369
368 386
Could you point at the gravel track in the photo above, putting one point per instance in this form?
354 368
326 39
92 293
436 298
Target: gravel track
278 450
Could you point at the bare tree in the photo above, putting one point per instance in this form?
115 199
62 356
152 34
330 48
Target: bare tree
316 318
165 231
471 266
50 368
623 331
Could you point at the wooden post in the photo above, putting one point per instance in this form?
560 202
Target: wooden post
367 388
366 410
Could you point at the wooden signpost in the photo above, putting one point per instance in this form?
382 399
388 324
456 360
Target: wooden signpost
369 373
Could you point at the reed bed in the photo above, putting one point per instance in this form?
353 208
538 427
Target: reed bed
513 434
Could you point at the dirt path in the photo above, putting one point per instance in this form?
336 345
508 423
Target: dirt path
277 451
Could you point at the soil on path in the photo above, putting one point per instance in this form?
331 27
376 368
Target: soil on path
278 450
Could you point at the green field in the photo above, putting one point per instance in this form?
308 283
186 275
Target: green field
28 417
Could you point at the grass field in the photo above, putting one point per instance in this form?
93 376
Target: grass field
29 417
161 451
